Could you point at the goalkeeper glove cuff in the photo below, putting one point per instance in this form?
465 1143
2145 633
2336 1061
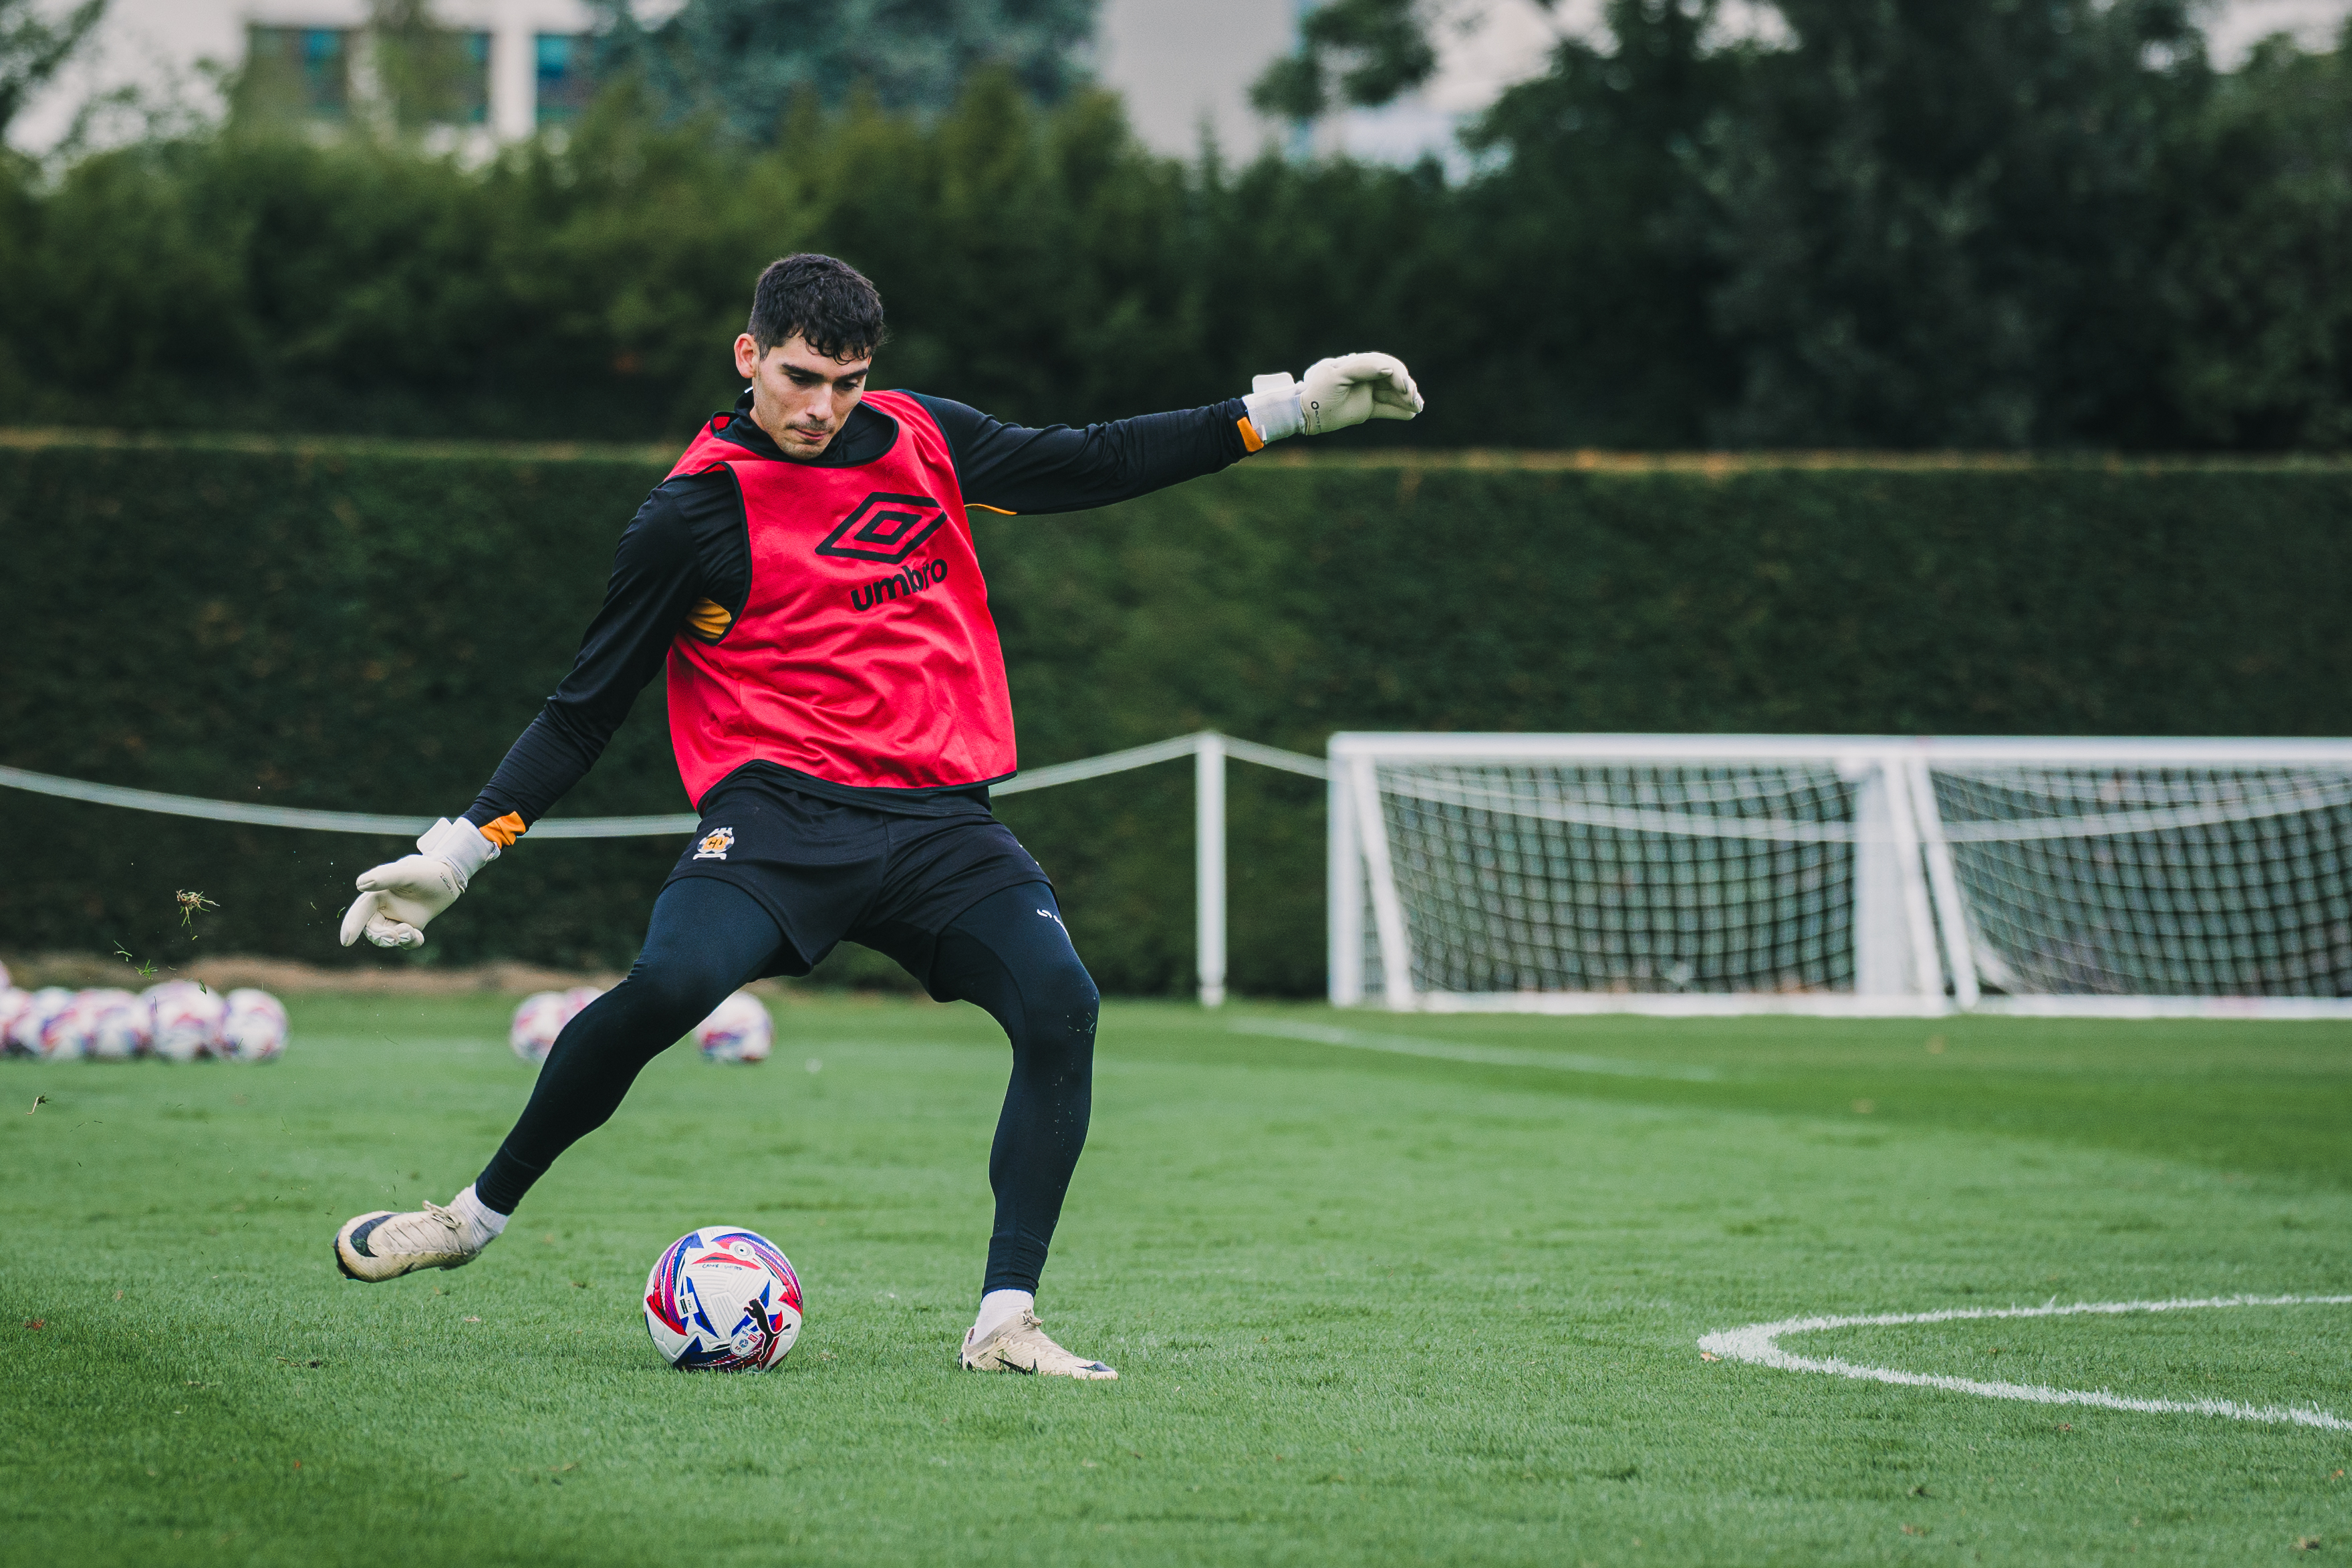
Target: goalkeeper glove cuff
464 846
1274 408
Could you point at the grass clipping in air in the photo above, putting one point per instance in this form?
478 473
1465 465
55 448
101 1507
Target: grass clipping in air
1368 1306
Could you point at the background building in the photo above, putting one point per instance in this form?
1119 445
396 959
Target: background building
524 59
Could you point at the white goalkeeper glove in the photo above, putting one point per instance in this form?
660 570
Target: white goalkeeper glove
398 898
1336 394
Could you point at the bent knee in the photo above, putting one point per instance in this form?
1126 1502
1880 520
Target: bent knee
1064 1005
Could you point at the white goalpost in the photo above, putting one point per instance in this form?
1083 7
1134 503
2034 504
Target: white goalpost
1864 876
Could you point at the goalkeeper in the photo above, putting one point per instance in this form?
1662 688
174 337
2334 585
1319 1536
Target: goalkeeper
837 701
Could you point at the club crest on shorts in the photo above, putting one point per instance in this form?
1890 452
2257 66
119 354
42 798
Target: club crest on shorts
715 844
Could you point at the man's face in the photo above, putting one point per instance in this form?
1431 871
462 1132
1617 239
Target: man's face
799 396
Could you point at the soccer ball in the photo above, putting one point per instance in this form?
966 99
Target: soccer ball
541 1016
35 1032
722 1299
738 1030
538 1019
187 1020
113 1025
255 1028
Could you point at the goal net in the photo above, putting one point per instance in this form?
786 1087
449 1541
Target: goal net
1854 875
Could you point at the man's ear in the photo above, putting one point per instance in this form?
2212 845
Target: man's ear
746 355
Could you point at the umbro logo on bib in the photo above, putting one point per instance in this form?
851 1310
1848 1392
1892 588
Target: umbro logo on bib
886 528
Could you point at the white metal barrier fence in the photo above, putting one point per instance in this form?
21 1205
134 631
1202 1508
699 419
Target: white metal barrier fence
1860 874
1707 874
1208 749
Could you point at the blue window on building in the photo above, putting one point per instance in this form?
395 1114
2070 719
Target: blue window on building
307 69
564 81
473 96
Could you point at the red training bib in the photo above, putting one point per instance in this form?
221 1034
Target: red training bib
865 653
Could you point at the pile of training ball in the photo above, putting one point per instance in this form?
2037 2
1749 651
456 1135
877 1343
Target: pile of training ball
178 1021
738 1030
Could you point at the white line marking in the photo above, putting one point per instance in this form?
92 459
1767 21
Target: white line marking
1758 1344
1453 1051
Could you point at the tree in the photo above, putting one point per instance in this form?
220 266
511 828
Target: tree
2256 294
424 70
1589 219
1940 224
744 61
1361 52
33 48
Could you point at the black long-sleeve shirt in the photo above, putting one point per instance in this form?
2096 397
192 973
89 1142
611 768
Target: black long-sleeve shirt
685 563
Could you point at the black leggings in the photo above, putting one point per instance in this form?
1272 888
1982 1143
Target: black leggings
1008 953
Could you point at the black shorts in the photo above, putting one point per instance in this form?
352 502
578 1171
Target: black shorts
829 872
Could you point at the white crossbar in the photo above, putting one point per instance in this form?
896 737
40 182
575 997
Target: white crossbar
1956 749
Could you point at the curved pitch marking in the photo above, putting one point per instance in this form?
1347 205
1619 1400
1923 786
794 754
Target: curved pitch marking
1758 1344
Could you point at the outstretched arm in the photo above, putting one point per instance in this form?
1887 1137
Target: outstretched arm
656 583
1021 468
1017 469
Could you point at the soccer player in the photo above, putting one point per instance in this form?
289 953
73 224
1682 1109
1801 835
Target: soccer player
838 705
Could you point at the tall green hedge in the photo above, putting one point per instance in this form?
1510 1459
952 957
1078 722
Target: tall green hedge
366 627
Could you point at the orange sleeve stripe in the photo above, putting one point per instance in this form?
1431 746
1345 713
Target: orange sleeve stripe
1251 441
708 620
505 830
984 506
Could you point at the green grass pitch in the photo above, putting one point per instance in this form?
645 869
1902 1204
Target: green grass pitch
1368 1306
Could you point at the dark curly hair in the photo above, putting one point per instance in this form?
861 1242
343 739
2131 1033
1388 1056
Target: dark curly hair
833 306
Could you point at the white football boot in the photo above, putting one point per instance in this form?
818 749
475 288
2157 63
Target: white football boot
1021 1345
383 1246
